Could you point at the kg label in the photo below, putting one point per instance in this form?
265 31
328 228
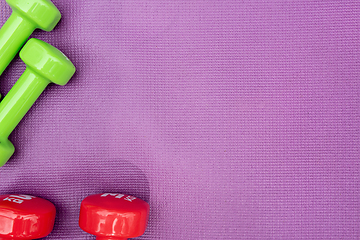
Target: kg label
18 198
116 195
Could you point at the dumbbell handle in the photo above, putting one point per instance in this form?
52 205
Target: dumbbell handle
19 100
13 34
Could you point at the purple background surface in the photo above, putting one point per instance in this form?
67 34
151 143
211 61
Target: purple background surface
233 119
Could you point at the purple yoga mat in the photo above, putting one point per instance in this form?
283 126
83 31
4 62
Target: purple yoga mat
232 119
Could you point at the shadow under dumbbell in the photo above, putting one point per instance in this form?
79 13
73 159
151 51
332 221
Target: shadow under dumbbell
67 186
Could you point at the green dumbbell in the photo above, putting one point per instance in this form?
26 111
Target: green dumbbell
27 15
44 65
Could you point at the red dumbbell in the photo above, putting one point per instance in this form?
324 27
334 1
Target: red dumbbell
113 216
25 217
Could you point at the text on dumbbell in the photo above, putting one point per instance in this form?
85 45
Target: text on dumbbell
130 198
18 198
116 195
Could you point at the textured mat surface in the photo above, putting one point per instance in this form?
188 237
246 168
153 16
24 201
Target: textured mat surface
233 119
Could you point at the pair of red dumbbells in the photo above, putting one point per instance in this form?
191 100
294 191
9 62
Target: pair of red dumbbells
108 216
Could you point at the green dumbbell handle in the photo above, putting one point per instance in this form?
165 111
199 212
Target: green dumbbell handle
44 65
13 35
15 105
19 100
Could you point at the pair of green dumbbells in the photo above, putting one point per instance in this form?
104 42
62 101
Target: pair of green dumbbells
44 63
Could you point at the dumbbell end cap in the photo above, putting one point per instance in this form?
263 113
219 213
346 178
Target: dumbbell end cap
47 61
25 217
108 238
42 13
7 149
113 216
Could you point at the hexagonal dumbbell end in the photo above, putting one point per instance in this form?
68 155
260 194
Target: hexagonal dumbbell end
113 216
27 15
44 64
25 217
